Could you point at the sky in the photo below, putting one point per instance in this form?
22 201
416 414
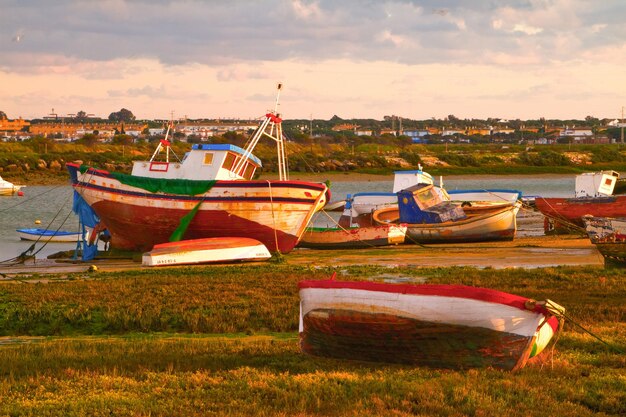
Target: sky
161 59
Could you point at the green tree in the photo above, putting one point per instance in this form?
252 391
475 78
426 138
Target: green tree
124 115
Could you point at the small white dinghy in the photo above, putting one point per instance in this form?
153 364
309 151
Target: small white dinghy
207 250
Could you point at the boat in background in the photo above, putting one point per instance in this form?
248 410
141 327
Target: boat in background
209 250
489 195
432 219
593 195
609 237
210 193
8 188
47 235
353 237
434 325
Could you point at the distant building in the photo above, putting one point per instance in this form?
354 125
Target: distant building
71 130
344 126
388 132
452 132
576 133
16 125
215 128
363 132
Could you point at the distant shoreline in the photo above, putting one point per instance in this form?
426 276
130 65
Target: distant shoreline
359 177
38 178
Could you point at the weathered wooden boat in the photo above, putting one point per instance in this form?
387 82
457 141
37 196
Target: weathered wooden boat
609 237
430 219
594 195
8 188
359 207
210 193
47 235
209 250
352 237
441 326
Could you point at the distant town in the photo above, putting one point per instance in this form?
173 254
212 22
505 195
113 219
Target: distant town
122 126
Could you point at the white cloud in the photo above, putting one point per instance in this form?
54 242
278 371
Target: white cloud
306 11
528 30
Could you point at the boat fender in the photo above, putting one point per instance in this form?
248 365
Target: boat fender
93 268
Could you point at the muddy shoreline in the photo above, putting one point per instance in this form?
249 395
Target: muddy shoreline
522 252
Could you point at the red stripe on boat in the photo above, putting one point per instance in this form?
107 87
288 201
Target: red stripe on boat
442 290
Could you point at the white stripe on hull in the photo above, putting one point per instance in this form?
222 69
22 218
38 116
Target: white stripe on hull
436 309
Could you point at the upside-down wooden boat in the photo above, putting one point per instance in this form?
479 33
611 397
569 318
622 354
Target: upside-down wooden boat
441 326
352 237
209 250
609 237
210 193
430 219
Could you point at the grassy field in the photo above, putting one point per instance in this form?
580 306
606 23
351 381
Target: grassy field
223 341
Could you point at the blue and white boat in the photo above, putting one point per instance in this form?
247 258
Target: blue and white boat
47 235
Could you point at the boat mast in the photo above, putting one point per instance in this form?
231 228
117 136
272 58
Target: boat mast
272 128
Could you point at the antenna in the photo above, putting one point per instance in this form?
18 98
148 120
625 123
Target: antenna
278 88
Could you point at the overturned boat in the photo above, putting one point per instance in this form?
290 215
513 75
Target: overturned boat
209 250
441 326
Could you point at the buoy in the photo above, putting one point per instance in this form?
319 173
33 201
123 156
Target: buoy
20 193
93 268
37 221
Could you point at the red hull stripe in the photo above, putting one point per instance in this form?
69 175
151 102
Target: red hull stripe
443 290
179 197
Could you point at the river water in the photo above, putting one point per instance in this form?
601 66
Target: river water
52 205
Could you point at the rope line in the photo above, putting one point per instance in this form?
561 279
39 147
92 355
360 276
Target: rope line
560 313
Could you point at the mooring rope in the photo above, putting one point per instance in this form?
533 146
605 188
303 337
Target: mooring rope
273 217
559 312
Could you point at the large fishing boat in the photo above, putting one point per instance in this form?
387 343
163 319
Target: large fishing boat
209 193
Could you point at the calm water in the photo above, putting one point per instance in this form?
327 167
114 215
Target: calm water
52 205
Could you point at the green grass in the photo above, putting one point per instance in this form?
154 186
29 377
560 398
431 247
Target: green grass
223 341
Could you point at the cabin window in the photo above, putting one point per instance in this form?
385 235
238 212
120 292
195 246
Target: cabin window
229 161
208 158
249 171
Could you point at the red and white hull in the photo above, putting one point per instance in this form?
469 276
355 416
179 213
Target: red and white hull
353 237
272 212
563 212
444 326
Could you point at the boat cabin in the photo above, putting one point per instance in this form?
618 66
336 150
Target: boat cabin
204 162
423 204
596 184
405 179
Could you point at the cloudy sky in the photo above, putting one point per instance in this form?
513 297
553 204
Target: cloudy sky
510 59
